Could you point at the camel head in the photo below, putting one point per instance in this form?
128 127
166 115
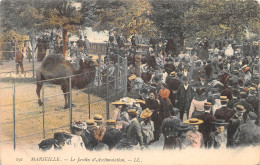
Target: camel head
86 74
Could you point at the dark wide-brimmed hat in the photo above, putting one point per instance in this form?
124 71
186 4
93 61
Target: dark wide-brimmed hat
59 136
193 121
184 127
219 122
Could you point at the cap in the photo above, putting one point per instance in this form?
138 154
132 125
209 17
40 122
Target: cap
252 115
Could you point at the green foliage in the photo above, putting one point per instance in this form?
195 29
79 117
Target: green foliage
127 17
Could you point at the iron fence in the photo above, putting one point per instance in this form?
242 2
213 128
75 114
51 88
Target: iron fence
21 113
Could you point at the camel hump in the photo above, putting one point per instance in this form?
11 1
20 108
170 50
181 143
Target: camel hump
53 59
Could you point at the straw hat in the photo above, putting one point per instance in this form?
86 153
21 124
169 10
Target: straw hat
207 104
223 98
111 122
132 77
98 118
193 121
146 113
240 108
132 111
173 73
118 103
139 101
91 122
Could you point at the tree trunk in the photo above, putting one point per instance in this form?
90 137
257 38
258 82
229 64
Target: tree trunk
65 42
181 37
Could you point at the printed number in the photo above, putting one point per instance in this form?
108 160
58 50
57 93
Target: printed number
136 160
19 159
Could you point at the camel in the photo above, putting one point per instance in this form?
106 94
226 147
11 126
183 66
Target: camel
56 69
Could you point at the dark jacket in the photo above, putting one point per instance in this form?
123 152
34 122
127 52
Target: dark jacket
169 126
247 134
234 123
134 131
232 102
112 137
184 98
206 127
89 140
172 82
19 57
247 106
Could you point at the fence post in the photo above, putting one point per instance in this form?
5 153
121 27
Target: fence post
33 57
107 86
88 105
125 77
118 70
99 70
14 113
70 102
43 111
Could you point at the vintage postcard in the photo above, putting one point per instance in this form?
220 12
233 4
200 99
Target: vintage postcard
129 82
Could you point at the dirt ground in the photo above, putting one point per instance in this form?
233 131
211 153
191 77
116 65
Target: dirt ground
29 116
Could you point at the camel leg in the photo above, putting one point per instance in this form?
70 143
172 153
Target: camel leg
38 91
65 89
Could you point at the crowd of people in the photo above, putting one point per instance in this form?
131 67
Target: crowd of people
201 99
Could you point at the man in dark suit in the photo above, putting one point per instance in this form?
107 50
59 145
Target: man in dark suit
235 121
112 135
170 132
206 127
203 83
88 135
248 133
184 96
234 99
134 131
248 107
252 99
224 112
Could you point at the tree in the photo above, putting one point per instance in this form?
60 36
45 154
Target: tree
32 16
127 17
227 19
174 18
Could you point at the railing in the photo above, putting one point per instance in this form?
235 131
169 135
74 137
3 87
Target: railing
21 114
